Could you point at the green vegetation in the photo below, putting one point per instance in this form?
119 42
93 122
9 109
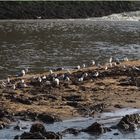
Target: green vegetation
63 9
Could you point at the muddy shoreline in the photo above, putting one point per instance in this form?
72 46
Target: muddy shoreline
114 88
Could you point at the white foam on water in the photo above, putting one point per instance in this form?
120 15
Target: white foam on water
127 16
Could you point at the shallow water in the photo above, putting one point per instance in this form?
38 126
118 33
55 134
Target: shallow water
107 118
41 44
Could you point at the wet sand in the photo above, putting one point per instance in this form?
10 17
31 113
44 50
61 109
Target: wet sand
116 87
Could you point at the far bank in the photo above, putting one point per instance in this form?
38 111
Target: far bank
63 9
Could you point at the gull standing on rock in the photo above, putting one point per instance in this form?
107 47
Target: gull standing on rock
44 77
22 84
67 78
8 80
84 65
22 73
92 62
110 60
51 72
14 86
39 79
96 74
78 67
106 67
56 81
81 79
125 59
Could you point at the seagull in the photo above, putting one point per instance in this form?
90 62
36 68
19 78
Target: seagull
67 78
85 74
51 72
22 73
8 80
56 81
136 68
44 77
22 84
92 62
40 79
78 67
14 86
81 79
125 59
84 65
22 81
106 67
96 74
110 60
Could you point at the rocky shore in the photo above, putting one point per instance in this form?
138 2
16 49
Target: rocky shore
63 9
62 94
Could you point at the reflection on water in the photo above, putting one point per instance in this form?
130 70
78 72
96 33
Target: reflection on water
41 44
105 119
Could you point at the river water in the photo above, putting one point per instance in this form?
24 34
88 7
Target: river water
107 119
44 44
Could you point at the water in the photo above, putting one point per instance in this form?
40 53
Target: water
107 118
43 44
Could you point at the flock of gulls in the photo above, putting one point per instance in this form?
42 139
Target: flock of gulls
54 78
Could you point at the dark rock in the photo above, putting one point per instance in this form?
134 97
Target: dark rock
72 103
98 107
129 122
116 134
113 127
123 125
52 135
52 97
47 118
27 115
118 106
38 127
22 100
96 128
17 127
24 127
71 131
29 135
2 113
38 131
74 98
6 119
17 137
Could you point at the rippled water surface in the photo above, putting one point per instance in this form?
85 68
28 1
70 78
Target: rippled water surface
41 44
107 119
